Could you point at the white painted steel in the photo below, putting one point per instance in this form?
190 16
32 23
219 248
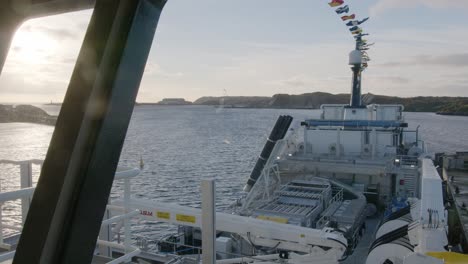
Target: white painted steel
356 114
111 244
125 258
15 162
389 227
127 231
355 57
115 208
248 259
120 217
26 182
261 232
123 173
7 256
27 191
422 259
208 221
393 252
18 194
431 196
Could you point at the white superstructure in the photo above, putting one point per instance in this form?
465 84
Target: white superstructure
354 186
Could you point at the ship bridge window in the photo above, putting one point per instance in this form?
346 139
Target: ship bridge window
41 59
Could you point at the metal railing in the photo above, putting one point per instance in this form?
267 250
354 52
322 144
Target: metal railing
332 205
26 191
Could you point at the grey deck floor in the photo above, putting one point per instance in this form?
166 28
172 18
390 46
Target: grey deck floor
359 255
95 261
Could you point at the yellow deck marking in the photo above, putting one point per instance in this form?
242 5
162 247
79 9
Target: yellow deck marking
163 215
280 220
186 218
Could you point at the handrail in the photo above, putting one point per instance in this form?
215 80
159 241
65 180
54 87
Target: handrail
26 192
124 173
7 256
125 257
17 194
134 251
120 217
15 162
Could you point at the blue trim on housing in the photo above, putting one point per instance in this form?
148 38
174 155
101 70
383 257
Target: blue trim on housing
354 123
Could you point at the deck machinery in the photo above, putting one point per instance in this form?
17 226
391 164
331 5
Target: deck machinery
340 174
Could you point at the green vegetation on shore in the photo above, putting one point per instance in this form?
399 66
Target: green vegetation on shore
443 105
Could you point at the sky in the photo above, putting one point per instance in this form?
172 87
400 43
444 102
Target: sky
260 48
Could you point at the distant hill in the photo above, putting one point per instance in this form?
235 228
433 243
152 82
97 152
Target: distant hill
173 101
235 101
168 101
314 100
25 113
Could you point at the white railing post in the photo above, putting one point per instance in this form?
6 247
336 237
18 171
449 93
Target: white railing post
127 241
26 182
1 220
208 221
105 234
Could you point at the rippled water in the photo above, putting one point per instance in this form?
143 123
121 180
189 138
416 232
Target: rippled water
182 145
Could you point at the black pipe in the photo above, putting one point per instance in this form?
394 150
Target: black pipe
278 132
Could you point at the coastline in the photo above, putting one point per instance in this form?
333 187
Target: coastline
25 114
452 113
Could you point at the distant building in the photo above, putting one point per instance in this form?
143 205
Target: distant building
174 101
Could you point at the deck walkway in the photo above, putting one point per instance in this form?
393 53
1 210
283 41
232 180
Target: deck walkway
458 185
359 255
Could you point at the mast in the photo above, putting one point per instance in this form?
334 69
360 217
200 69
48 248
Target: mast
355 59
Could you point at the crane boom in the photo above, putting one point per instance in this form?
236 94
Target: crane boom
259 232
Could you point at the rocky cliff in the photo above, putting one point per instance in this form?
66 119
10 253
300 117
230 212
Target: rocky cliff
314 100
25 113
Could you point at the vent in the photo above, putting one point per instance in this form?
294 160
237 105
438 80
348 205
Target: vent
367 149
332 149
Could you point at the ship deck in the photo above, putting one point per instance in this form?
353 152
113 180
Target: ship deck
360 253
96 260
458 179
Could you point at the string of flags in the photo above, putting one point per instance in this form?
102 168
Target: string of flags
354 27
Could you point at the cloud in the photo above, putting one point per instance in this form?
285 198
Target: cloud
385 5
155 69
295 81
59 33
390 79
449 60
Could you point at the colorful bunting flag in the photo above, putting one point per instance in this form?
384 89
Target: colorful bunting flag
344 18
352 23
361 35
335 3
341 10
362 21
361 44
356 22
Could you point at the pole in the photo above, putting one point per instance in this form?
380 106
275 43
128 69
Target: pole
26 182
356 85
208 221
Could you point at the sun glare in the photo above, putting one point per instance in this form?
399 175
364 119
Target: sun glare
32 47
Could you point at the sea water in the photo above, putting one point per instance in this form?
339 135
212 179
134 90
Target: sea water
180 145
